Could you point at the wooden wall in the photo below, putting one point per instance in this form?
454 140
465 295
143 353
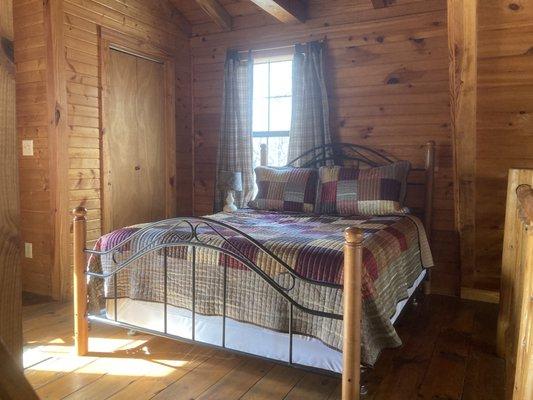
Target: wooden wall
32 124
504 122
10 301
74 159
388 89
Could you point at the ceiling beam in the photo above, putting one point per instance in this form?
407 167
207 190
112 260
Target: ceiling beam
217 13
382 3
284 10
180 20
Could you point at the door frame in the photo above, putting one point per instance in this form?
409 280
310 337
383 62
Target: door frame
112 40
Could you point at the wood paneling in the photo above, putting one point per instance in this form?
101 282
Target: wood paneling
217 13
36 202
504 129
388 84
10 289
284 10
145 23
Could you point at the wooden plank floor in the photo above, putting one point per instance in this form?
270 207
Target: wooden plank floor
448 353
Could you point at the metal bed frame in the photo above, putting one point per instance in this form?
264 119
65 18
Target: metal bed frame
186 231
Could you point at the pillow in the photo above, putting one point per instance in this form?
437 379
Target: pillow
371 191
285 189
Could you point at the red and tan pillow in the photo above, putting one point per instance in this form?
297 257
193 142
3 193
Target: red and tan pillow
371 191
285 189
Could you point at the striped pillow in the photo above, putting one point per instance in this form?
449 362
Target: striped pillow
371 191
285 189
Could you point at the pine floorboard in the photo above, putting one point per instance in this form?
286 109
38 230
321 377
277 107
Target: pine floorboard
448 353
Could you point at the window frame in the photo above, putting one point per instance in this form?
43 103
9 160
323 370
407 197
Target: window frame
270 60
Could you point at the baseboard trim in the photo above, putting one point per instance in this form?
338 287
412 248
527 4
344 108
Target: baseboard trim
487 296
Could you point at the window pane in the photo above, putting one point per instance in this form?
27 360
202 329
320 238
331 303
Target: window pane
280 114
260 116
257 150
277 151
281 78
260 80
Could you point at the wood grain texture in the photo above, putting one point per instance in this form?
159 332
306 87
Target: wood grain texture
284 10
443 336
388 85
525 200
13 384
58 145
37 201
10 288
81 325
504 131
147 24
217 13
351 348
515 325
381 3
462 39
135 141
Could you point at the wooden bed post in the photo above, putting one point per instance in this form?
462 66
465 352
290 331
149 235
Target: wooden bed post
81 327
353 267
428 204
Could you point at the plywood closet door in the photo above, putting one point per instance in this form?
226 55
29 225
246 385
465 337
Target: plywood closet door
150 122
135 141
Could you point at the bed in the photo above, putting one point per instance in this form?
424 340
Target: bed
276 285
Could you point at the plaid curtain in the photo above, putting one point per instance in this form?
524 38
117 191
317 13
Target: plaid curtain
235 139
310 105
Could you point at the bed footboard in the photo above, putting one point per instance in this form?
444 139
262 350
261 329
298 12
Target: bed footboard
352 311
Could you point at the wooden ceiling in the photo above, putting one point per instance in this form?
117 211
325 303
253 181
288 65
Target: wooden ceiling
222 12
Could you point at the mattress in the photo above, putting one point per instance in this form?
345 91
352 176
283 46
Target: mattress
240 336
395 252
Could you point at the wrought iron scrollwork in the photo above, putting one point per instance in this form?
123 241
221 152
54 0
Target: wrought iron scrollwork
339 153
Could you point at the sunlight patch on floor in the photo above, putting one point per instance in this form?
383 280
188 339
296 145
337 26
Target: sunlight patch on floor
111 356
116 367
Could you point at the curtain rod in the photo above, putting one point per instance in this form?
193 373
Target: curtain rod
275 48
268 49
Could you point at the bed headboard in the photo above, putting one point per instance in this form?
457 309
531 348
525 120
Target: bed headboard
419 182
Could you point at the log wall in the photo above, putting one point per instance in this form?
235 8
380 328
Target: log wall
389 82
504 127
75 158
32 124
389 88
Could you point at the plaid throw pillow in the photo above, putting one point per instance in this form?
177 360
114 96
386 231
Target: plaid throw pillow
371 191
285 189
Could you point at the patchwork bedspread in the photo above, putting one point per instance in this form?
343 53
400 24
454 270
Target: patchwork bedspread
395 250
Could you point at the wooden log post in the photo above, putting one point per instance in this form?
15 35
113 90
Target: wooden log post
428 203
81 327
13 384
522 357
10 249
511 281
353 266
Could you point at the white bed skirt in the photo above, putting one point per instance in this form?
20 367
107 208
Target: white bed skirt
240 336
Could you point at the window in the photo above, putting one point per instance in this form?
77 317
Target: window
272 104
